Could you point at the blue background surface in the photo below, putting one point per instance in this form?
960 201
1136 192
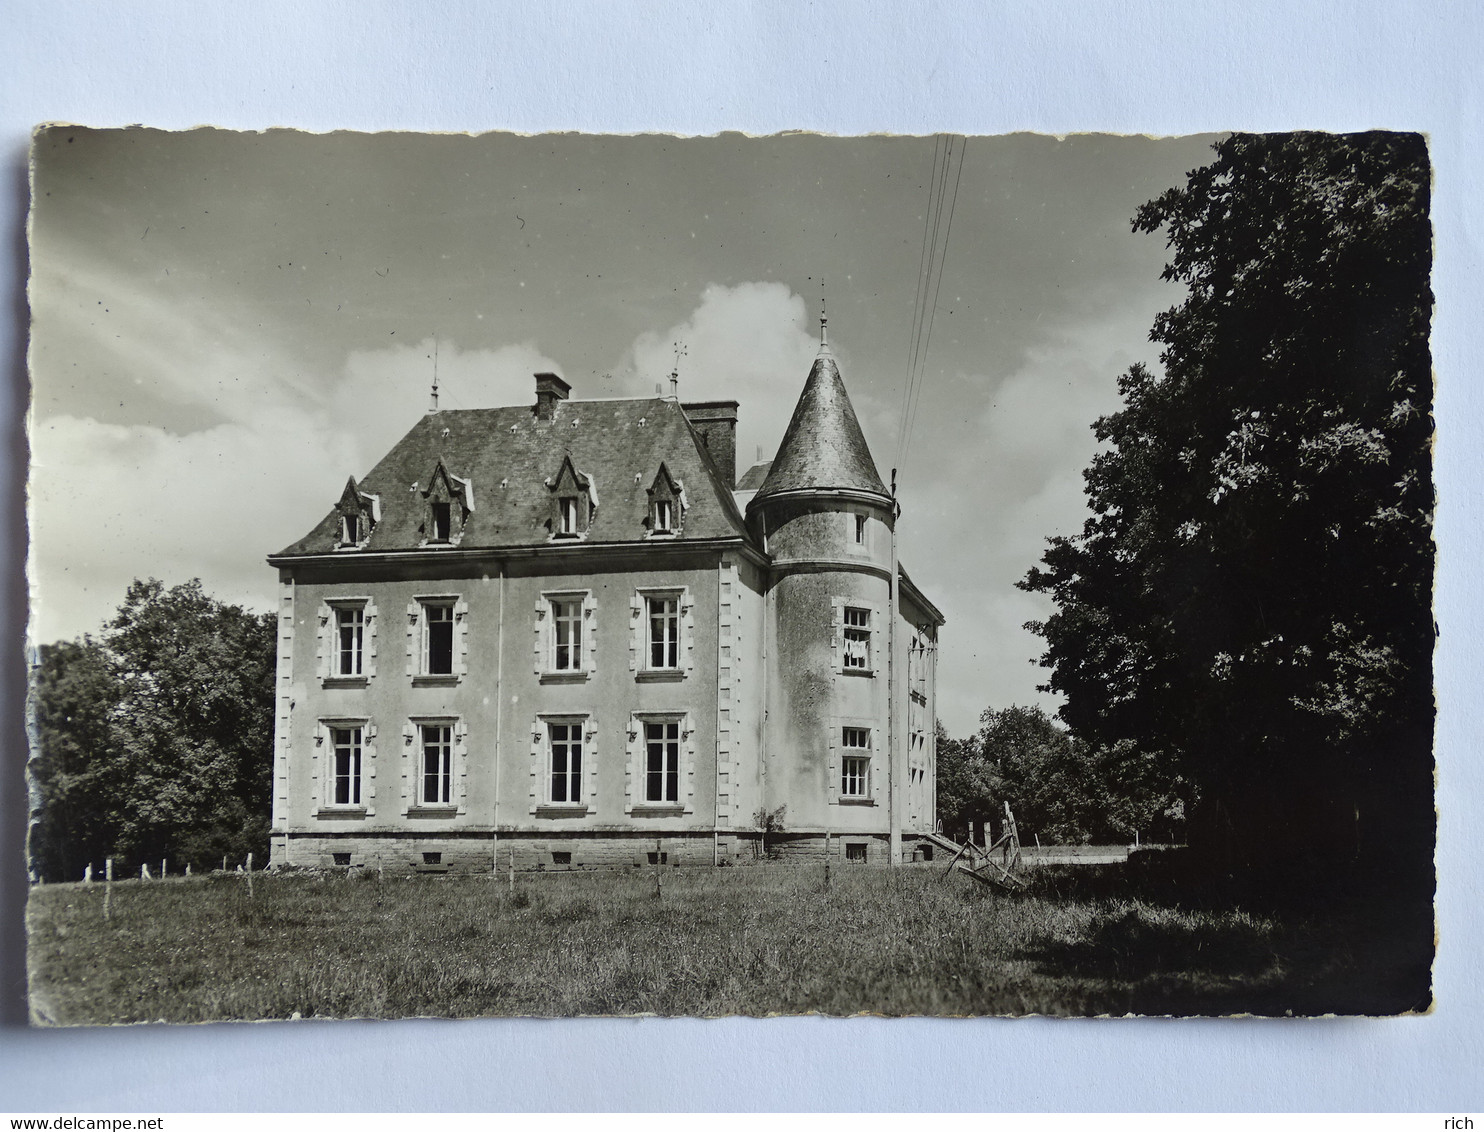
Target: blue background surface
1146 67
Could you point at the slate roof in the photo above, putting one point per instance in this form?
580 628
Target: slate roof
618 444
752 479
823 446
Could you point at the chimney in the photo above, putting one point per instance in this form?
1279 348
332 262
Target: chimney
549 390
716 422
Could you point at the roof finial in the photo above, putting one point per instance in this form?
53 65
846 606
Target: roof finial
433 408
680 352
824 322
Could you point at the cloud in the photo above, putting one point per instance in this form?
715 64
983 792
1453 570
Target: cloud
111 502
997 480
745 343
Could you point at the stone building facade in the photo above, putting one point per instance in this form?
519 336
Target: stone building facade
567 635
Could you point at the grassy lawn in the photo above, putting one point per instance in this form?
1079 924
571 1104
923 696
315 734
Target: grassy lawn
752 941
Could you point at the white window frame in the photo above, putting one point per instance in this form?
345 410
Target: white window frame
567 618
568 523
664 517
674 622
862 639
426 645
855 748
571 775
542 772
339 612
672 758
636 789
448 742
327 643
348 537
327 767
583 660
641 644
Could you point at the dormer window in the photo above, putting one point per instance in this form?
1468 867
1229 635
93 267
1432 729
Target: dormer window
359 512
448 501
574 502
666 505
442 520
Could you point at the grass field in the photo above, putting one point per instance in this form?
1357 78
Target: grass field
752 941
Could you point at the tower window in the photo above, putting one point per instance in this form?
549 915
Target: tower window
857 639
860 530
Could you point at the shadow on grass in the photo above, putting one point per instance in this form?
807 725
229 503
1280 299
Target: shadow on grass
1177 937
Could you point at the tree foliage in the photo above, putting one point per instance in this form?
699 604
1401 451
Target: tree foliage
1061 789
155 740
1252 594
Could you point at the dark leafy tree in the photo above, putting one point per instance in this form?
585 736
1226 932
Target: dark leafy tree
74 694
1061 790
1252 593
156 740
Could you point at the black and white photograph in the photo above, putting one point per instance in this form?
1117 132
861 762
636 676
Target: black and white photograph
569 575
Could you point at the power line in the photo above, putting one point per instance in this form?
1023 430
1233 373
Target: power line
937 233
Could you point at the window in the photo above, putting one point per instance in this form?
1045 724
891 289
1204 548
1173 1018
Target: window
662 761
566 635
442 521
663 516
437 764
860 530
346 783
664 632
565 745
432 858
857 639
567 515
561 856
855 762
855 850
350 638
341 859
350 530
437 638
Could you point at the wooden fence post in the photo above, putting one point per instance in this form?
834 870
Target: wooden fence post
512 868
249 876
827 860
87 874
659 869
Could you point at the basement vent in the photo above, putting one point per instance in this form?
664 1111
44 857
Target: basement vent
432 858
561 857
855 851
659 858
342 859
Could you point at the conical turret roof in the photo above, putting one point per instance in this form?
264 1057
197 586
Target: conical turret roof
823 446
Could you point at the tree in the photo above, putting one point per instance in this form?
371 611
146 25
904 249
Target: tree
74 693
1062 790
1251 596
156 741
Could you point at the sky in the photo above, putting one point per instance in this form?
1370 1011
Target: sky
227 325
